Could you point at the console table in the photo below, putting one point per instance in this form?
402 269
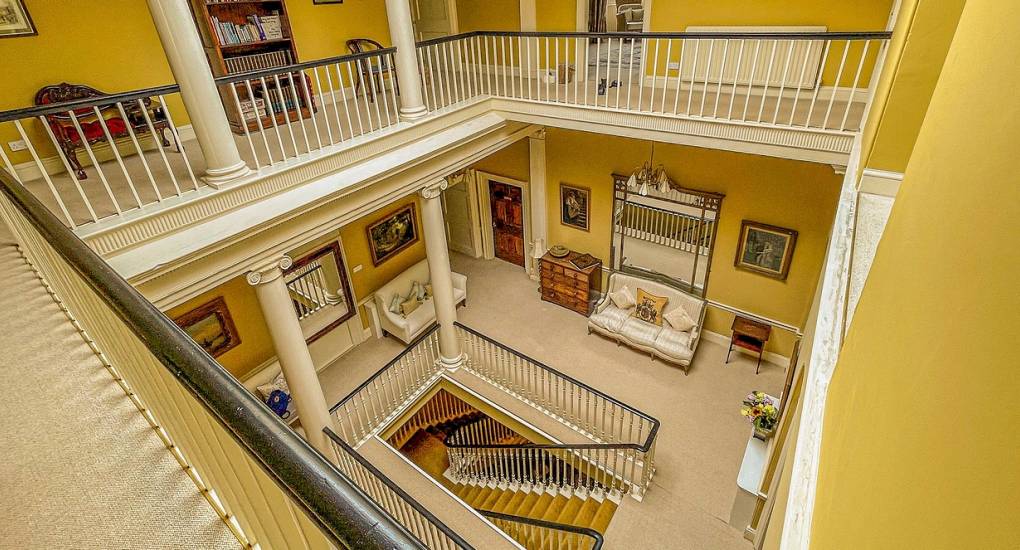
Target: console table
750 335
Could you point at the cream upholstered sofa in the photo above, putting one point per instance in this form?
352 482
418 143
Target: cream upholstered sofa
408 328
663 342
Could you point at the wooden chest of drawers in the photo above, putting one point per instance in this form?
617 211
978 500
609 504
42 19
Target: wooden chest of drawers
566 285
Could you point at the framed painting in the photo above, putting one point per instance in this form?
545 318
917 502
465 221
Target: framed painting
393 233
574 206
765 249
14 19
318 2
211 325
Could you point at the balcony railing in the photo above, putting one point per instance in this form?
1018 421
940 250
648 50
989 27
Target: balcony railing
622 457
389 496
816 81
101 157
264 480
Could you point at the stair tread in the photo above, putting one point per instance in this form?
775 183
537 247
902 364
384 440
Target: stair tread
570 511
501 503
490 501
586 514
526 507
555 508
603 516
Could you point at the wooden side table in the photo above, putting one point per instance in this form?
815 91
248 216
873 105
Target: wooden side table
750 335
565 284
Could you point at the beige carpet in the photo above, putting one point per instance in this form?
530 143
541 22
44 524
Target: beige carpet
703 436
81 468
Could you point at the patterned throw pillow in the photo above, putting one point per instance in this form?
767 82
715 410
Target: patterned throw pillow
649 307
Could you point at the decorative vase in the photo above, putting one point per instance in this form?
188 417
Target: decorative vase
762 434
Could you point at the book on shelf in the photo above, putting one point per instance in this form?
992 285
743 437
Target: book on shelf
253 108
258 61
258 28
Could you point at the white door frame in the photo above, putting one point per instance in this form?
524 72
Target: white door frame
451 17
582 15
485 211
474 218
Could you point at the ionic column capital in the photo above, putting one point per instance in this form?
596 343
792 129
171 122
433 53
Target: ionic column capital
539 134
269 271
434 189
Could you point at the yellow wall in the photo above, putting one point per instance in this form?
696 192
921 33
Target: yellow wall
511 162
322 29
556 15
796 195
838 15
920 446
923 33
256 347
354 237
488 15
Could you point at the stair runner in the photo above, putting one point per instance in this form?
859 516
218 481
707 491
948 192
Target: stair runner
425 448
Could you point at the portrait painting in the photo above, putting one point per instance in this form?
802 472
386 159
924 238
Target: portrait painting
574 206
765 249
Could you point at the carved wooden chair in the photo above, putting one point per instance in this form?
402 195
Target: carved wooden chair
70 140
371 70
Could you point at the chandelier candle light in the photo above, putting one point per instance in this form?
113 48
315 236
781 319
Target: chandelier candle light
647 176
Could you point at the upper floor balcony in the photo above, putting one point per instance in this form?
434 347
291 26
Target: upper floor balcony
127 168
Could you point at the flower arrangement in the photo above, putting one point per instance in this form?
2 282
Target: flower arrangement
762 411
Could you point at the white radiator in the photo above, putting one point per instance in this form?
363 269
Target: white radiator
790 61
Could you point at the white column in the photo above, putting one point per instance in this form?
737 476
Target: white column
292 351
529 16
538 194
398 13
434 228
183 47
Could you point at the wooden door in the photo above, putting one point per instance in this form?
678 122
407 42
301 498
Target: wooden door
431 19
507 221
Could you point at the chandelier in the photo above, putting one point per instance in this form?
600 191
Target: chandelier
648 177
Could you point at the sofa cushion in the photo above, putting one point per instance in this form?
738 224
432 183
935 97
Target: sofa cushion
458 295
623 298
649 307
679 319
611 318
674 343
408 306
640 332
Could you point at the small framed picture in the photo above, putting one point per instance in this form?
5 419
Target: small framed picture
393 233
14 19
765 249
574 206
211 325
318 2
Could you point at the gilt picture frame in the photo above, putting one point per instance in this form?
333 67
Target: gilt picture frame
575 206
393 233
765 249
211 325
15 20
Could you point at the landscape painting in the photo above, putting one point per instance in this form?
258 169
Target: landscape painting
392 234
211 325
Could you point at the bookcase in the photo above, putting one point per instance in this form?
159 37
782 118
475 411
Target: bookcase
250 35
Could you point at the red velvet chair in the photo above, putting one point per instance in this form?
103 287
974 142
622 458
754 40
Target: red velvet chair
70 139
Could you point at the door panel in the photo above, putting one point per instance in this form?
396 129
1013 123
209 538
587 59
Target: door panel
431 19
507 222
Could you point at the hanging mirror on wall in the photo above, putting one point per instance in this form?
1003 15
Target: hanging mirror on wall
662 231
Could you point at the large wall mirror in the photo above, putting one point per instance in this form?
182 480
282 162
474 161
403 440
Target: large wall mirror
665 234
